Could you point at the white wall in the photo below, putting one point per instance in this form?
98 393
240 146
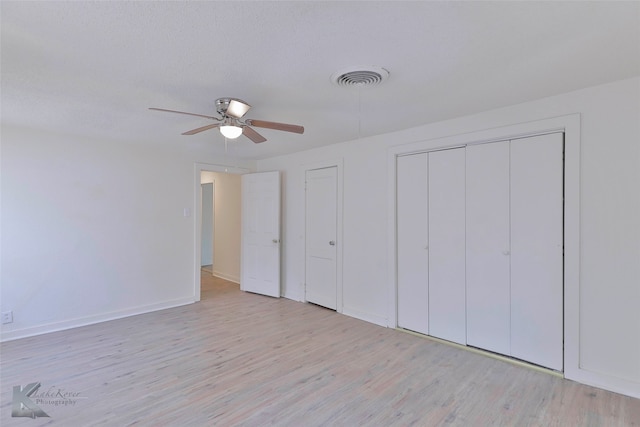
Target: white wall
609 341
93 230
227 215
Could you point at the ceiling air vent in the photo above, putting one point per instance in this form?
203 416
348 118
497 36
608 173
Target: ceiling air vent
360 76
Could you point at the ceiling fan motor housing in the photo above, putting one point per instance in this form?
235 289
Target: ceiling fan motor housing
222 106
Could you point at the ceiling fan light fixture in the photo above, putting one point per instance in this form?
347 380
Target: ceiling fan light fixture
230 132
230 124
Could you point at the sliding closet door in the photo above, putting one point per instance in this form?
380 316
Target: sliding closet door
536 250
447 311
413 296
487 249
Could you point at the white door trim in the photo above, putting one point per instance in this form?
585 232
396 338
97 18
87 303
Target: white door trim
197 216
570 125
339 164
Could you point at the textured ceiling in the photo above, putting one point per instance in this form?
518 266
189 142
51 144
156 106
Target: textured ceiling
93 68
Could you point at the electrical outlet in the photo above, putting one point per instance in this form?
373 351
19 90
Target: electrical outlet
7 317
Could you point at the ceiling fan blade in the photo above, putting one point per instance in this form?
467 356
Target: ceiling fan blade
253 135
182 112
273 125
202 129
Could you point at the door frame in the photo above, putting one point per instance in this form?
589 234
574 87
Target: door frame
197 215
570 125
338 164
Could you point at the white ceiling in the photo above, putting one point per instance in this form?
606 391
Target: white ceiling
93 68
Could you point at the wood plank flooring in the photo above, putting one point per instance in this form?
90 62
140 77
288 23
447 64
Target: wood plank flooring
239 359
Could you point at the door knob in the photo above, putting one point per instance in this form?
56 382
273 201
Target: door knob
332 243
275 241
505 252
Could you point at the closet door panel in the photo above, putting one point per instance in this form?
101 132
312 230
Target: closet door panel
487 249
536 250
413 296
447 311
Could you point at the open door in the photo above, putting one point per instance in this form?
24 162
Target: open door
260 261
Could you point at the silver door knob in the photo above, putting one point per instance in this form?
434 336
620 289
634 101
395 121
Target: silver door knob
275 241
332 243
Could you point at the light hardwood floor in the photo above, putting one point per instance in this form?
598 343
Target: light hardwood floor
242 359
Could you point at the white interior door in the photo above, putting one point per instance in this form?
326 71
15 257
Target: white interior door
321 236
536 250
447 304
412 241
487 249
260 260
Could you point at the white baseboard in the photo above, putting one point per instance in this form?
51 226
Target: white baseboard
225 276
627 387
90 320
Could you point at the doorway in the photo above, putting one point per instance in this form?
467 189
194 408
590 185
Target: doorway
207 227
223 220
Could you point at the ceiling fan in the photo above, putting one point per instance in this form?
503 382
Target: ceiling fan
231 124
